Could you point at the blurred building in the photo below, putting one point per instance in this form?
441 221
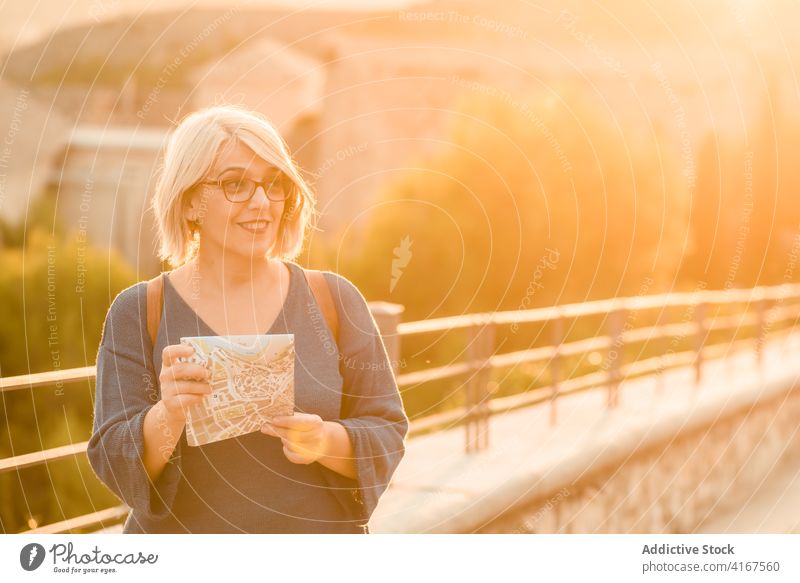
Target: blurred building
103 177
31 137
359 97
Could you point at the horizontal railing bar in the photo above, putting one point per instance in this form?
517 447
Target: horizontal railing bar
540 314
649 333
509 359
39 457
504 404
566 387
658 363
39 379
543 394
112 515
573 348
424 425
725 348
433 374
733 322
600 307
532 397
635 335
580 346
443 324
781 314
503 360
772 316
498 361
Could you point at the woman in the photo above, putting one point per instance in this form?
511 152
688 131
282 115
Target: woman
232 211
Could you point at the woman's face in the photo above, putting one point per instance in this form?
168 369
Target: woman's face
244 228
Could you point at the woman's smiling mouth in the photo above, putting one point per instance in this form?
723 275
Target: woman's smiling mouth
257 227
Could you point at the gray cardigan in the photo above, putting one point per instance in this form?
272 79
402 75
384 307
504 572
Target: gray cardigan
246 484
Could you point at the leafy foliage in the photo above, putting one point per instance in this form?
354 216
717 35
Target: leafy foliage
54 294
529 205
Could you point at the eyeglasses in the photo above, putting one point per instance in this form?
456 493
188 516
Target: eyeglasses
240 189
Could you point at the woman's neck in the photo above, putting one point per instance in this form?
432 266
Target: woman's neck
218 276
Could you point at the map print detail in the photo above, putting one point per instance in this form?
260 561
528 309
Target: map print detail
252 379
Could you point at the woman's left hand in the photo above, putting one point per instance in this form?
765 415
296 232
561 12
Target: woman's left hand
304 436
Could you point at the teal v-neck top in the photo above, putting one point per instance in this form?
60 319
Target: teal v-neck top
245 484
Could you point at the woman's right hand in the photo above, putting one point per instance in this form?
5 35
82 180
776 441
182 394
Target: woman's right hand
182 383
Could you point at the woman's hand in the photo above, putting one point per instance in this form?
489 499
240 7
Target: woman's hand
304 436
182 383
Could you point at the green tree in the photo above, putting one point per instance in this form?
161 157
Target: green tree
746 213
530 204
54 295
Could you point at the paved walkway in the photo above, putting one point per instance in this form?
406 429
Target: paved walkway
774 507
440 488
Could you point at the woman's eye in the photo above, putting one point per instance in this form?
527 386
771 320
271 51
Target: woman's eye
232 186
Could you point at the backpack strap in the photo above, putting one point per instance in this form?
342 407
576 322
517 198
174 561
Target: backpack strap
322 293
155 301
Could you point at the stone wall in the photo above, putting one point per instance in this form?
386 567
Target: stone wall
672 486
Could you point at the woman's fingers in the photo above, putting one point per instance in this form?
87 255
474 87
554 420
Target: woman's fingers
302 448
296 458
298 421
183 384
189 370
268 429
173 352
185 400
293 435
191 388
180 404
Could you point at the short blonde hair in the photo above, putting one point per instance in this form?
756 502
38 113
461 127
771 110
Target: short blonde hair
188 156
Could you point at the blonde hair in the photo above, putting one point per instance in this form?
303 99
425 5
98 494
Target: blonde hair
189 155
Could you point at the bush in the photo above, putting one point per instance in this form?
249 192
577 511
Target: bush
54 295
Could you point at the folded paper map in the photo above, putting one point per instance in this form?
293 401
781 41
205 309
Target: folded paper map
252 379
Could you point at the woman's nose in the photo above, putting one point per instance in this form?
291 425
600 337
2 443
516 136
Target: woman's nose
259 197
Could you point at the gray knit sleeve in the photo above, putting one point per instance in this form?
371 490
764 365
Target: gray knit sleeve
126 388
372 411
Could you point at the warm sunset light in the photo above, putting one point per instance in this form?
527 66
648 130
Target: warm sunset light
445 266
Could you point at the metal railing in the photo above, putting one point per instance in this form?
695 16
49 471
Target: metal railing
762 310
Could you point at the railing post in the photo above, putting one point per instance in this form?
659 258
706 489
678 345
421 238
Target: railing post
761 331
557 338
480 346
387 317
700 312
616 320
664 342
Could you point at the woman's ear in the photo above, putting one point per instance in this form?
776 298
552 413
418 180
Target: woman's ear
190 210
192 215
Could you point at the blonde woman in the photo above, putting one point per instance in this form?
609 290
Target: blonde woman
232 212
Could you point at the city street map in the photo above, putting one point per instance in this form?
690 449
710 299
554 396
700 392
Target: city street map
252 378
